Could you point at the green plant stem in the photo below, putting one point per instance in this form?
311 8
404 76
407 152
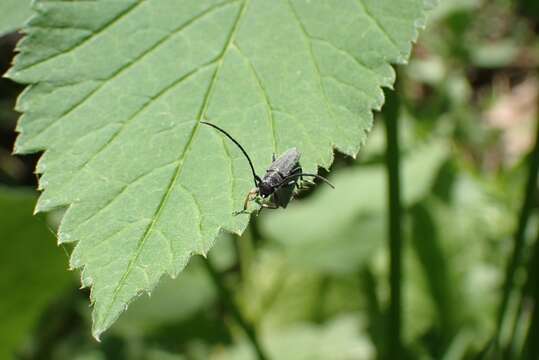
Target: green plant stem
374 310
245 252
531 293
528 296
511 349
319 306
518 246
233 309
531 347
391 115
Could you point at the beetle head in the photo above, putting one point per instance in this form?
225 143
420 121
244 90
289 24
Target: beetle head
264 189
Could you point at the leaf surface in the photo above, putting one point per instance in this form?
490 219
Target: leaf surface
117 92
13 14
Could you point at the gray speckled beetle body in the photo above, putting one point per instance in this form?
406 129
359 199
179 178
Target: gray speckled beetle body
273 183
276 188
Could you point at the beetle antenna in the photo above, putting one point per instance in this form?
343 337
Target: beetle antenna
306 174
255 176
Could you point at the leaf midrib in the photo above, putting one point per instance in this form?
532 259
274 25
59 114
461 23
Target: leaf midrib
183 155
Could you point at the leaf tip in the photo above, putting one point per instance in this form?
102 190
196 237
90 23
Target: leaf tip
20 147
63 237
98 328
10 74
96 334
41 206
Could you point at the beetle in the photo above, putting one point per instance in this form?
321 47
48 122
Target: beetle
276 188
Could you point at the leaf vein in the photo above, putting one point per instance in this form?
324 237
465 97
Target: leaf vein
301 125
75 46
315 63
124 125
198 208
121 191
358 89
134 61
169 244
265 96
232 177
113 234
348 54
378 24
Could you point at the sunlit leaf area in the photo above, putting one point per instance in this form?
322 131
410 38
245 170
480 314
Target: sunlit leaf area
130 229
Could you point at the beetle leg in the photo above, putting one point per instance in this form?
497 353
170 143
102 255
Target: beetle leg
269 205
275 200
273 157
250 197
294 171
266 206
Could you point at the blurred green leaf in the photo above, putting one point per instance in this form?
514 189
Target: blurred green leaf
33 272
431 71
494 55
340 339
344 249
13 15
90 355
277 295
448 7
155 354
457 266
116 100
273 293
436 269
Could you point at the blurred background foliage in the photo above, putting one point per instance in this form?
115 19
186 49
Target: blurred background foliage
314 278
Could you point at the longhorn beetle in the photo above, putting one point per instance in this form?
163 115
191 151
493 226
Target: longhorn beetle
276 188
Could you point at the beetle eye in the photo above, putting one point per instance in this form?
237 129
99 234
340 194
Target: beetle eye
264 189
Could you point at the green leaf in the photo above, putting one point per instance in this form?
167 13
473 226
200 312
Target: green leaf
118 89
32 270
425 241
154 354
498 55
340 338
461 278
13 14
